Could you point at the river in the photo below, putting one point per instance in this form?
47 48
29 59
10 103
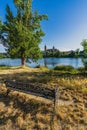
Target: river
49 62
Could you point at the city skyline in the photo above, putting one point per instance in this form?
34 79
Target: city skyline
66 26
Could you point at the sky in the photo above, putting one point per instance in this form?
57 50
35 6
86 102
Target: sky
66 26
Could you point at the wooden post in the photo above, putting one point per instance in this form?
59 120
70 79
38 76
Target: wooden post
56 99
54 123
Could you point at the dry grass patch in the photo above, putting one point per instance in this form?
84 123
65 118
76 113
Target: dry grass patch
23 112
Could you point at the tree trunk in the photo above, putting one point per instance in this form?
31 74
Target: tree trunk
23 61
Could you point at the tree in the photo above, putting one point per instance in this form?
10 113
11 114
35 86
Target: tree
0 24
0 27
84 44
77 52
22 32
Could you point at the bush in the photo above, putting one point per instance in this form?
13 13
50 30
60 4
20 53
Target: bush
81 69
64 68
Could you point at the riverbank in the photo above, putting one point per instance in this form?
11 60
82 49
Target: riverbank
22 111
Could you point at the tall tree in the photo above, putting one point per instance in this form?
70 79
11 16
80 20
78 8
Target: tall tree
0 27
77 52
84 44
22 32
0 24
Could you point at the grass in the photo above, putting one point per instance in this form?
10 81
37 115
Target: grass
84 89
4 67
20 111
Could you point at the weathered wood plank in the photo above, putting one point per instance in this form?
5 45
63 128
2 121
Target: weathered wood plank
39 90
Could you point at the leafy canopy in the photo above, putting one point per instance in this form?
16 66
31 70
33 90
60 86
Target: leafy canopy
22 32
84 44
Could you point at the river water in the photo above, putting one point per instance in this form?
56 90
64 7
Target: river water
49 62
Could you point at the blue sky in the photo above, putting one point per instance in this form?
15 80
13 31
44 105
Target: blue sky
66 25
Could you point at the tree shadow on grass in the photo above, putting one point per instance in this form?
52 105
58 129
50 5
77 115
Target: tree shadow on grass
31 107
40 77
21 107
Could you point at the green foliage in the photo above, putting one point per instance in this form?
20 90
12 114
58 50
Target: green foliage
77 53
0 28
84 44
23 31
64 68
0 24
64 54
84 60
81 69
2 56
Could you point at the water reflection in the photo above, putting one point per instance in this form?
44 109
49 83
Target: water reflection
52 62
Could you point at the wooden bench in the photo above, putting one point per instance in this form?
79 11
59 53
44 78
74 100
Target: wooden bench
28 87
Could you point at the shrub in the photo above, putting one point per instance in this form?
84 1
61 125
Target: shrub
64 68
81 69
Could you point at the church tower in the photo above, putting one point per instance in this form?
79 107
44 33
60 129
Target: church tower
45 49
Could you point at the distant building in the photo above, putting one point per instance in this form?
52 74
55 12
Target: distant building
45 50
